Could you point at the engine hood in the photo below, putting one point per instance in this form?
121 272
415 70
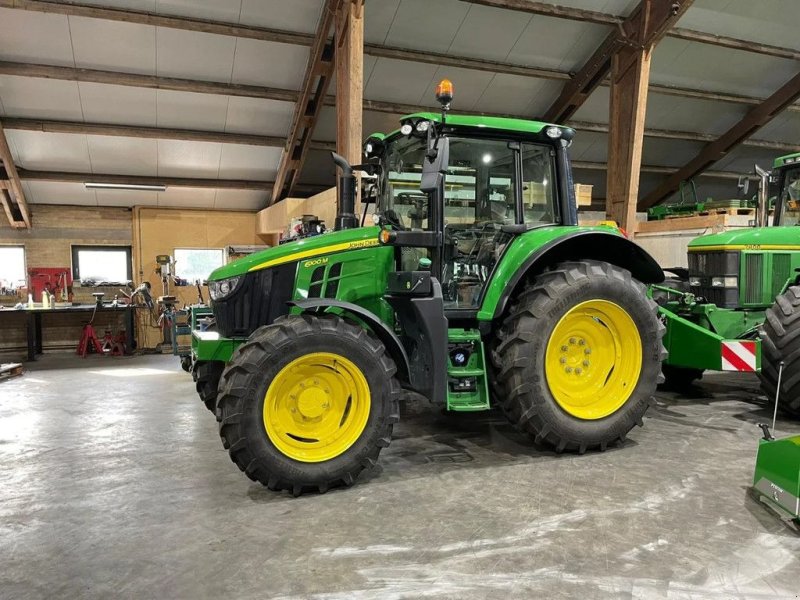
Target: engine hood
761 238
307 248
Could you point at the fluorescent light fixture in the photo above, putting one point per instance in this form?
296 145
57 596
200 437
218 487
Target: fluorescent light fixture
90 185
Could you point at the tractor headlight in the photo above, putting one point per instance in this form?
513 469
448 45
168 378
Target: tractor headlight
695 282
728 282
223 288
422 126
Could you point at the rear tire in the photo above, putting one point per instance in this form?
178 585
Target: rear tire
521 361
780 341
207 383
278 458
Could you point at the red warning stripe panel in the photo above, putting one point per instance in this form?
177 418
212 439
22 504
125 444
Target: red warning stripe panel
739 356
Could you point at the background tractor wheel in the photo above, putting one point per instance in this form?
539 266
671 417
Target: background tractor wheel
579 355
780 341
308 403
207 382
680 378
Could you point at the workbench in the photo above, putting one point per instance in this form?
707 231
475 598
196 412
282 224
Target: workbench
35 316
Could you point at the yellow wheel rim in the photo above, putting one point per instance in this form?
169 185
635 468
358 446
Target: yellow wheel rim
316 407
593 359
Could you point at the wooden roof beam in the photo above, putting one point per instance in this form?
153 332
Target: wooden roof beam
156 133
647 24
319 72
714 151
14 204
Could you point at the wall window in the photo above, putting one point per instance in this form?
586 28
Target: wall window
12 267
196 264
101 265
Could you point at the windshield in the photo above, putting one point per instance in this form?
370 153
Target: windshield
480 186
790 198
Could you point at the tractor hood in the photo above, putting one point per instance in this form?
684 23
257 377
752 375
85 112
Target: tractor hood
306 248
761 238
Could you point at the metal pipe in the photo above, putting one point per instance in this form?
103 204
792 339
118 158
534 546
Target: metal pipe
762 209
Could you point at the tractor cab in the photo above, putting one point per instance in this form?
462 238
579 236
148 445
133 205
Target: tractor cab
455 190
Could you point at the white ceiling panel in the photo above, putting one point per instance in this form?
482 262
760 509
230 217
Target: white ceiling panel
126 198
596 107
785 127
58 192
297 15
693 65
49 44
240 200
689 114
50 151
378 18
669 153
215 10
489 33
611 7
253 115
188 159
270 64
181 197
399 81
556 43
119 104
590 146
123 156
192 55
426 25
188 110
514 95
249 162
112 45
767 21
43 98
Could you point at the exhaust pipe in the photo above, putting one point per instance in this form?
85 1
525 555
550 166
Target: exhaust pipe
346 205
762 208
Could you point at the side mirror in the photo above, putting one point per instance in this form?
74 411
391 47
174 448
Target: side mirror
434 166
743 184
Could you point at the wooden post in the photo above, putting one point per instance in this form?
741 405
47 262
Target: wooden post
626 134
350 82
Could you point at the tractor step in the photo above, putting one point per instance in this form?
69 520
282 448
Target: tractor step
467 382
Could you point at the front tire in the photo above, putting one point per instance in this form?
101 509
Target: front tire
307 403
207 376
780 341
579 355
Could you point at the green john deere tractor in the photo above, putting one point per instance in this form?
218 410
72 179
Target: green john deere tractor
475 286
741 292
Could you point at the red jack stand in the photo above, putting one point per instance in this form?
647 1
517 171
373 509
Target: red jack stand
118 349
108 342
89 342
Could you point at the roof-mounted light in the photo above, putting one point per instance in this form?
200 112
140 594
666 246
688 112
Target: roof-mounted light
406 129
444 92
553 132
422 126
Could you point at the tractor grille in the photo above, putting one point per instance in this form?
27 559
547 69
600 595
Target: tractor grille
257 301
753 278
705 265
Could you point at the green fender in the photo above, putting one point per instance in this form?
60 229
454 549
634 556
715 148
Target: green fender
534 251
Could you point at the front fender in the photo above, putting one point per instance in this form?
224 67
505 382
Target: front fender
381 330
537 250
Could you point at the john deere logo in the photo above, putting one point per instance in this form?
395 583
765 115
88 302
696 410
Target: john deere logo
315 262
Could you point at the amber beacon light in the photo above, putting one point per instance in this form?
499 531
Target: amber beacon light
444 92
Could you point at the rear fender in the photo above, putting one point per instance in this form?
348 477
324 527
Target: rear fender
595 244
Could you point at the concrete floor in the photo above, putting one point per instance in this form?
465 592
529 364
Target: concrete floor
114 484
